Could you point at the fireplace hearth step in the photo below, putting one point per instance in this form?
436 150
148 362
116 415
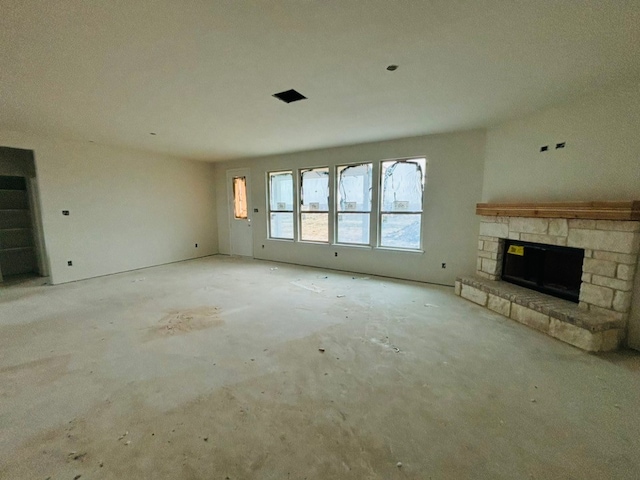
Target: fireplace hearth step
561 319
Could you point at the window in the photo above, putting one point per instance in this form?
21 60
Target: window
314 204
373 204
354 203
240 197
281 205
402 186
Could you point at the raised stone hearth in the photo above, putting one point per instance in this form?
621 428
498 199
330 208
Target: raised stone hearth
610 246
559 318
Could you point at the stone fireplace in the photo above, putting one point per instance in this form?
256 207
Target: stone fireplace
609 235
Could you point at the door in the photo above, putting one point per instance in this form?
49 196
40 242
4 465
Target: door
239 195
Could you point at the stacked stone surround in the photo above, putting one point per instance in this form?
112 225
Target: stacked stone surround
611 255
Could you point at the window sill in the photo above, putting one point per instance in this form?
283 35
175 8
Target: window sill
397 249
353 245
348 245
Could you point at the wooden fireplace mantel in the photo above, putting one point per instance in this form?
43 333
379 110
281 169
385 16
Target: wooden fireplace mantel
587 210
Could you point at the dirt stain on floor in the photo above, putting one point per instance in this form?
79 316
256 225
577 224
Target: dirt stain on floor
178 322
253 429
42 371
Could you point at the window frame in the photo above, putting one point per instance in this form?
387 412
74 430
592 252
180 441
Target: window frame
337 210
293 206
382 212
376 212
328 212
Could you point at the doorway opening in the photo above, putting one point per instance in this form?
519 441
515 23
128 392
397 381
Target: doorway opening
21 245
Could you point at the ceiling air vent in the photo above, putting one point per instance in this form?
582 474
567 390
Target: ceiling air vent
289 96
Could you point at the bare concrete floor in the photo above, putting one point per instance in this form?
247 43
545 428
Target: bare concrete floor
212 369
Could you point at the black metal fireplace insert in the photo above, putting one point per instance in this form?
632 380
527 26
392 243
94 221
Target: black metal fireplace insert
548 269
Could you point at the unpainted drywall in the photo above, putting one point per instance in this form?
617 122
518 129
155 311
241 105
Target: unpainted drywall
450 226
127 209
601 159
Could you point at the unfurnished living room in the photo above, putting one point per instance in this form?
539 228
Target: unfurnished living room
299 239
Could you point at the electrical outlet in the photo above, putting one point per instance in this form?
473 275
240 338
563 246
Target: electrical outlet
561 145
444 265
70 263
335 254
196 245
544 148
65 212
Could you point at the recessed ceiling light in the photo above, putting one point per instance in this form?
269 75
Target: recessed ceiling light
392 68
289 96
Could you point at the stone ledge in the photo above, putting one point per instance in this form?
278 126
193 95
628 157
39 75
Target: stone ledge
557 318
557 308
562 310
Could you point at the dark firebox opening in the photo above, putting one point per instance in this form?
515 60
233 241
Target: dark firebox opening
548 269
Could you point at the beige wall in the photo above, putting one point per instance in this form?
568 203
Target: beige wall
450 226
128 209
601 160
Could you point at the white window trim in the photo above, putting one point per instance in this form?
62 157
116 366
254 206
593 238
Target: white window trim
375 215
269 211
380 212
372 229
329 211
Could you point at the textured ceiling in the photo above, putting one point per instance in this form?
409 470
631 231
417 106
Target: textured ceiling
200 73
